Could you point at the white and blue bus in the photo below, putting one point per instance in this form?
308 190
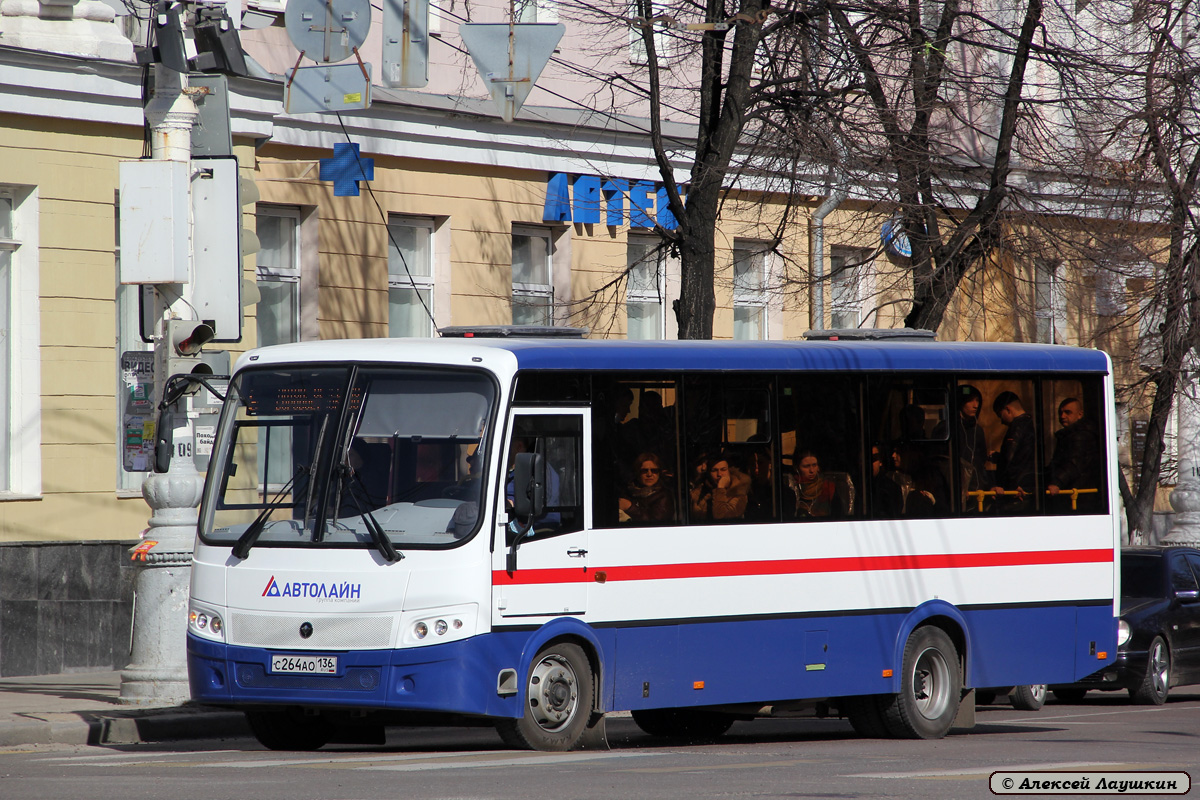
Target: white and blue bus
537 531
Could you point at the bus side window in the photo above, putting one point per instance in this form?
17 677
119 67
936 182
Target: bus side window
559 438
908 420
820 421
1074 447
1018 485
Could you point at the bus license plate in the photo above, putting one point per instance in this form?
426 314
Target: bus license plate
305 665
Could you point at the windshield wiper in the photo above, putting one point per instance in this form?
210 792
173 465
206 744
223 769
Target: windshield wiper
241 547
382 543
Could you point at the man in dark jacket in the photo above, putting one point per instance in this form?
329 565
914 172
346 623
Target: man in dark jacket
1076 460
1015 459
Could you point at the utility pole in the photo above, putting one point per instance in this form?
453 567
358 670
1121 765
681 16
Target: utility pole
157 673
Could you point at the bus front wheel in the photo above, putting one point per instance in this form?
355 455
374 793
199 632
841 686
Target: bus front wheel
559 695
930 687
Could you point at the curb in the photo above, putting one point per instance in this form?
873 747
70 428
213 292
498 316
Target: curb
124 727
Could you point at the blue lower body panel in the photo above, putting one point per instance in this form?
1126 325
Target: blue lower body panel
456 678
684 664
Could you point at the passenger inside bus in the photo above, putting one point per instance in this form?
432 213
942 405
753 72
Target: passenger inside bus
1015 458
1076 461
924 461
887 484
811 493
720 491
650 497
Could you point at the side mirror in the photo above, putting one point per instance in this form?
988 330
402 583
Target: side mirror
1187 595
529 487
164 439
529 501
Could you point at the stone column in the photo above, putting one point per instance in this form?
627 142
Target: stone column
157 674
1185 497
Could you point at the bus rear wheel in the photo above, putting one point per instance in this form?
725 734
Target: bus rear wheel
689 724
289 729
559 695
930 687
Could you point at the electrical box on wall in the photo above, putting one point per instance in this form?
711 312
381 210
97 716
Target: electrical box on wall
154 209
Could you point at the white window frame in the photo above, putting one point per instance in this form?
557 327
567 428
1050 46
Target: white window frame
410 280
638 293
848 287
21 443
285 274
637 45
751 295
536 11
1049 311
520 291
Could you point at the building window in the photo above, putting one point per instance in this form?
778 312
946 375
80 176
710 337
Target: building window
645 285
410 276
544 11
637 44
278 307
749 290
20 342
847 273
1048 310
532 290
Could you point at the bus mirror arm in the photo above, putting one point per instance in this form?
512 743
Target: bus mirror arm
518 532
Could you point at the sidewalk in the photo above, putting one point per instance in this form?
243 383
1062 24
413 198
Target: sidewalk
84 708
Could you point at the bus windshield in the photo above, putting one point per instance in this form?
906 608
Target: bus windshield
348 456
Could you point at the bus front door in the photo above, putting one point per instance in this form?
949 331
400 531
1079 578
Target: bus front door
543 571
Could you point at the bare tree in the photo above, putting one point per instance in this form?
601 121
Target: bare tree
1148 124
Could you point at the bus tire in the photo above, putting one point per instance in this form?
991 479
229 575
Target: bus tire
288 729
559 696
865 713
930 687
688 724
1028 698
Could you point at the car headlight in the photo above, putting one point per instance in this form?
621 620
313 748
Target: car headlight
1123 632
206 623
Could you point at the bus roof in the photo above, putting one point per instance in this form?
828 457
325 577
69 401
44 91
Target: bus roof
631 356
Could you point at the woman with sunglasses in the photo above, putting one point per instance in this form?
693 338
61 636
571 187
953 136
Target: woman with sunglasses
649 498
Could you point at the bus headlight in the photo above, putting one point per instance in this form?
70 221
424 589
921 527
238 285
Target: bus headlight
206 623
437 626
1122 632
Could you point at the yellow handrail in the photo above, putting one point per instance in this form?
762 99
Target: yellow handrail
981 494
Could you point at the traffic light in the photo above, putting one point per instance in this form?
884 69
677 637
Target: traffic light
184 341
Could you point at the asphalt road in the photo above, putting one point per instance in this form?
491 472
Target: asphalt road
760 759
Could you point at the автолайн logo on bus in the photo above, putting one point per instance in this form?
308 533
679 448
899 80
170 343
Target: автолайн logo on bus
335 592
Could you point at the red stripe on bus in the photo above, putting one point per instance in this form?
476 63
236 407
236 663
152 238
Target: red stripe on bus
729 569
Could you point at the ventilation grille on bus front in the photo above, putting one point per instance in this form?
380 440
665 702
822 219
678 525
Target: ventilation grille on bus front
336 633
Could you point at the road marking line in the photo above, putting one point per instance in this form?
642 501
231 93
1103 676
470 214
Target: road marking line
539 760
970 772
